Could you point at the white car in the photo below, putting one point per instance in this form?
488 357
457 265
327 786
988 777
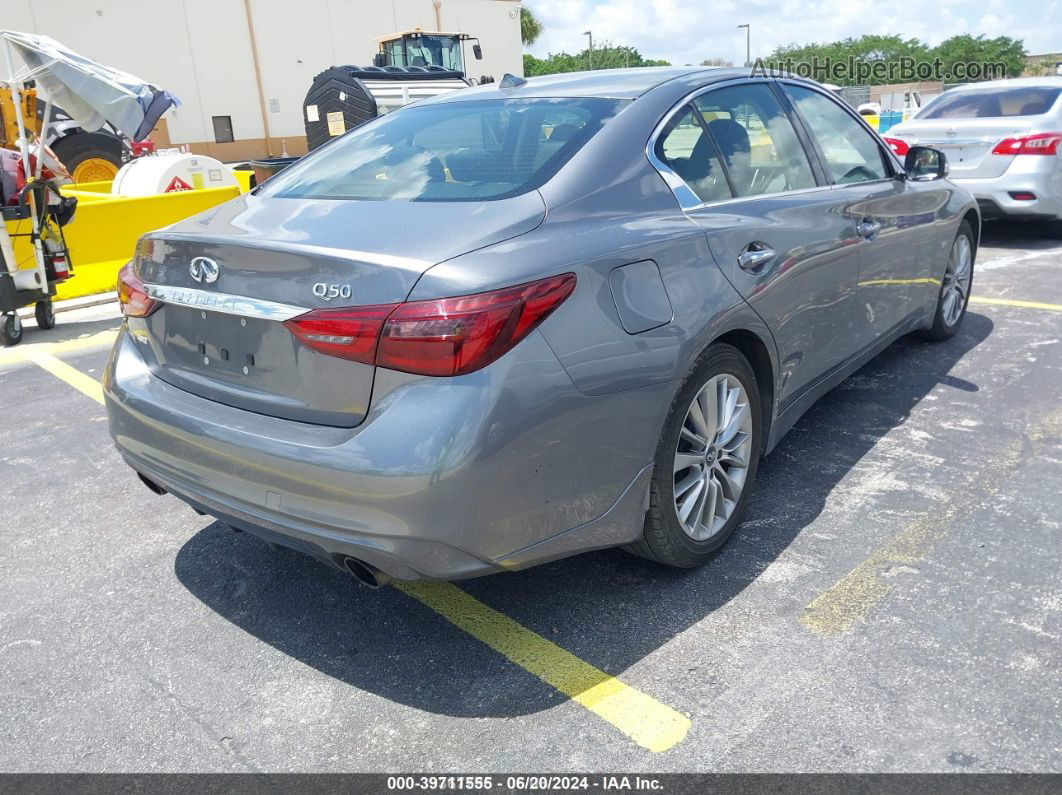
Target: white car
1002 140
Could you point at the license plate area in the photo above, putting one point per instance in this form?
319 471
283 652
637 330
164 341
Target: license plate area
960 153
221 344
955 154
256 365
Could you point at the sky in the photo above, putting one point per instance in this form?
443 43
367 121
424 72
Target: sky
688 31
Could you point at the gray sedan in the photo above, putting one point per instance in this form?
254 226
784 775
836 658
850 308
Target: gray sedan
530 319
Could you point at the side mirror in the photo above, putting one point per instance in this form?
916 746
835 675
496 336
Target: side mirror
477 51
379 59
923 164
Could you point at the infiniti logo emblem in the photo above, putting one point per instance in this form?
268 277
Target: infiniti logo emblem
204 269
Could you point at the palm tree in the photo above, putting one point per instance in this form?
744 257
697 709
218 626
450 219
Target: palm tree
530 27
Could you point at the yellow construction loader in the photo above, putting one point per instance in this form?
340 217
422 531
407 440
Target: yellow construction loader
88 156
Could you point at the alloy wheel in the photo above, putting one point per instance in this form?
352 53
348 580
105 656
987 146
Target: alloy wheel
712 456
956 280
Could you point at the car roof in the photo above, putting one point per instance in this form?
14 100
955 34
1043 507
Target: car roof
613 83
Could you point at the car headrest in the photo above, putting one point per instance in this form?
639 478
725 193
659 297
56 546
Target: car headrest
699 164
731 138
1034 108
991 107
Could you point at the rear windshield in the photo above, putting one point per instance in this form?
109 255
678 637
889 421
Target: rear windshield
451 151
992 103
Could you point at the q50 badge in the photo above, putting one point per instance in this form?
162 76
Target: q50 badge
330 292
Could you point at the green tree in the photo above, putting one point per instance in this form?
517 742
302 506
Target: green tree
888 49
530 26
891 49
605 56
967 49
551 64
869 47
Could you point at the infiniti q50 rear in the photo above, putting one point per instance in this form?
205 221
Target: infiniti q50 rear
530 319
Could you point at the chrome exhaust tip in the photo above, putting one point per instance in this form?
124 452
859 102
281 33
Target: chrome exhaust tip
365 574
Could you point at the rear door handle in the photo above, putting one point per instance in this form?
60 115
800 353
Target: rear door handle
755 255
868 229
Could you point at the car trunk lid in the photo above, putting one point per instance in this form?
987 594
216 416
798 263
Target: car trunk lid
967 143
223 338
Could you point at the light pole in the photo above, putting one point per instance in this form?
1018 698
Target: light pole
748 43
590 52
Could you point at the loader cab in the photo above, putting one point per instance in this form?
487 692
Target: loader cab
424 48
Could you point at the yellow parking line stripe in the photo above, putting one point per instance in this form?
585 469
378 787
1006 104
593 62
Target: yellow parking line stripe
977 299
851 598
642 718
63 371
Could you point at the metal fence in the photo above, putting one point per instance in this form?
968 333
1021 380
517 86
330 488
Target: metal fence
855 95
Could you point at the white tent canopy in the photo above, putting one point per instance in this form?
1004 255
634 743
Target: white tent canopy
91 93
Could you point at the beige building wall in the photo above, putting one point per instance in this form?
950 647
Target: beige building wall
203 51
1045 64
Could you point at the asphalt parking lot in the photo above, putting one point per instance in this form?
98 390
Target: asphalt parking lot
892 603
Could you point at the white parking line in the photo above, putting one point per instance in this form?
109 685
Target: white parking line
1004 260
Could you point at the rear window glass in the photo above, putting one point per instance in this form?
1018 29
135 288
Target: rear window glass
453 151
992 103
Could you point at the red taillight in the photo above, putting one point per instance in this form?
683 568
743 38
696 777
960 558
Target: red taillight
1039 144
132 294
349 332
451 336
898 146
445 336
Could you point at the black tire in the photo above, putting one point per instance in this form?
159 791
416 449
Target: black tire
11 330
663 537
44 311
75 149
941 329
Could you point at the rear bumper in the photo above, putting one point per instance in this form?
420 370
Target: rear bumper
993 194
445 478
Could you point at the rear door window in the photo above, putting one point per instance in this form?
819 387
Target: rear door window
756 140
687 150
851 152
984 103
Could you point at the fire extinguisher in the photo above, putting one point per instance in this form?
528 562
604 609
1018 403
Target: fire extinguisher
55 252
